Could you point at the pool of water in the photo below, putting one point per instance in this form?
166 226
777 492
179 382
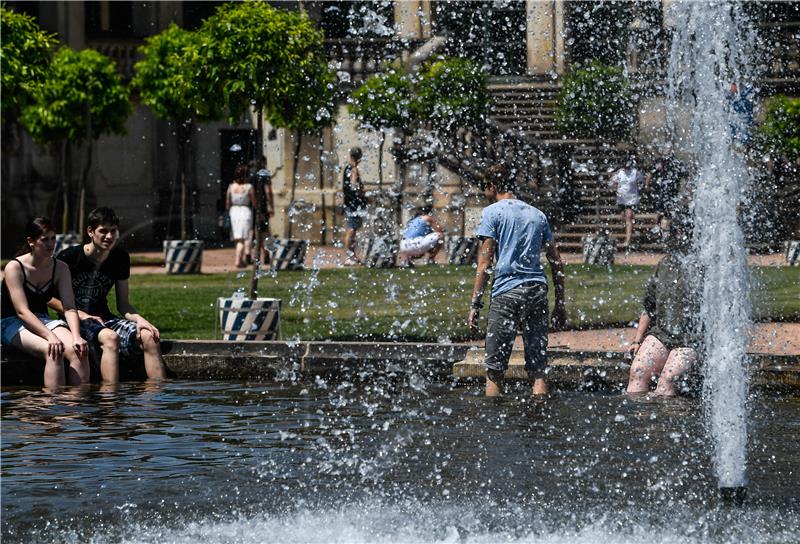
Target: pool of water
393 461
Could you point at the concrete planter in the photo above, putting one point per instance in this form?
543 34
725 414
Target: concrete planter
598 249
245 319
791 249
463 250
183 256
287 253
63 241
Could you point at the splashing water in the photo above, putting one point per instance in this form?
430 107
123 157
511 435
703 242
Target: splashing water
709 55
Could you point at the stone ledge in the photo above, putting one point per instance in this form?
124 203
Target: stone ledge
262 361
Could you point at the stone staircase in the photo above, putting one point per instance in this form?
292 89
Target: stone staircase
592 165
528 109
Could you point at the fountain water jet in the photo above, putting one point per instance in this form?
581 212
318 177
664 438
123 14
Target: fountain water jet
709 54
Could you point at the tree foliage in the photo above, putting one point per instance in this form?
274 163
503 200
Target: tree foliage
596 102
170 77
269 58
24 58
383 101
780 131
451 92
81 89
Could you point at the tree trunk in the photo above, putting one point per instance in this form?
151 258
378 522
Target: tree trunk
323 231
259 196
380 159
65 168
181 132
84 178
296 159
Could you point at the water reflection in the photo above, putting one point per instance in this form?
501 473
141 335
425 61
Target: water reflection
379 461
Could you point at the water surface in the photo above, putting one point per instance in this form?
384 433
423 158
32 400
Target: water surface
393 461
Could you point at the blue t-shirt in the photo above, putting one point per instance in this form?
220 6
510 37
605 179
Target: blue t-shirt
417 228
519 231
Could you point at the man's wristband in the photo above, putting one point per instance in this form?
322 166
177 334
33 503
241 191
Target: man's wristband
476 304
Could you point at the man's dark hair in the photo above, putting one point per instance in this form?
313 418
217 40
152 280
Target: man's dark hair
356 153
102 216
498 175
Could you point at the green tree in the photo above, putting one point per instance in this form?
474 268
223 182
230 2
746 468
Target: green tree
81 98
596 102
171 82
451 92
382 102
273 61
780 131
24 60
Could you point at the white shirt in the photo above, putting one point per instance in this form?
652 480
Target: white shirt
627 182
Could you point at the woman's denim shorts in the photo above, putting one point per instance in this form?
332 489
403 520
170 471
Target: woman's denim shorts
11 326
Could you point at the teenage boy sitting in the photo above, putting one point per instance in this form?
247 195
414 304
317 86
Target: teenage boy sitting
96 267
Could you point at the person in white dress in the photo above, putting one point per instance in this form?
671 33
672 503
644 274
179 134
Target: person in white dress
627 181
240 201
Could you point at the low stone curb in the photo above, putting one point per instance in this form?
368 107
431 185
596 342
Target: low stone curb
261 361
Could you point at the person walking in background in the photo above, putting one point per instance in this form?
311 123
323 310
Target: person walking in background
423 236
30 281
513 234
240 201
95 268
627 181
355 204
262 184
667 336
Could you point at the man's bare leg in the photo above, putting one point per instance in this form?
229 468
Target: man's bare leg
494 383
153 363
109 356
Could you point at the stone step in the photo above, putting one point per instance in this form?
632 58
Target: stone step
592 370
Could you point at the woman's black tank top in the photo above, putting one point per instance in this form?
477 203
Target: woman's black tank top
37 298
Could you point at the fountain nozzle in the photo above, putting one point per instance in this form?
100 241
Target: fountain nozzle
733 496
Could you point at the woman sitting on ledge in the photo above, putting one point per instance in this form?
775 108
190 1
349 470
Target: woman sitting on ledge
423 236
30 281
666 338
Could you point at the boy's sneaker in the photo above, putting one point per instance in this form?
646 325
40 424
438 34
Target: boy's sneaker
351 261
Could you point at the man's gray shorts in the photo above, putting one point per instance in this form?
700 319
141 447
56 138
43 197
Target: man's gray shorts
524 310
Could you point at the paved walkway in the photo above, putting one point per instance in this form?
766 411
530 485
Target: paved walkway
222 260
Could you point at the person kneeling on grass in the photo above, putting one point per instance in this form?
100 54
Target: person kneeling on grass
30 280
666 338
96 267
423 236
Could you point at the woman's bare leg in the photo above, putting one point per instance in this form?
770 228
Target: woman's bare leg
628 214
239 254
78 369
678 362
37 346
648 362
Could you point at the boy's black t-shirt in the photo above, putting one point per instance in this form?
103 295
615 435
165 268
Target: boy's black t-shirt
90 283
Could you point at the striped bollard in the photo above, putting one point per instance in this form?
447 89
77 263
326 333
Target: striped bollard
792 252
381 252
63 241
287 254
245 319
598 249
463 250
183 256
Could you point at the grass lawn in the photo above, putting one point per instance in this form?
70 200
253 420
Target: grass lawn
424 303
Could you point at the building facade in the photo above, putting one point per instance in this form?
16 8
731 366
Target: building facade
526 46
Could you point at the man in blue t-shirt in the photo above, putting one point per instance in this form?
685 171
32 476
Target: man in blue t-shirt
514 233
